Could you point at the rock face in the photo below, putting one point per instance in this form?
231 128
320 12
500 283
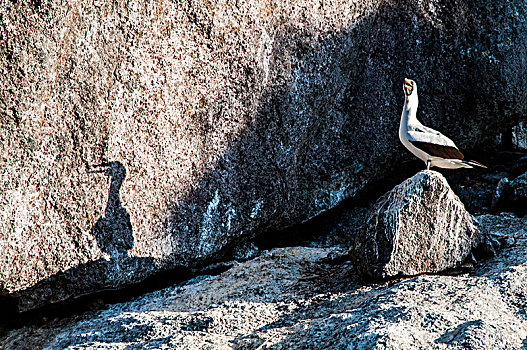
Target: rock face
300 298
227 119
420 226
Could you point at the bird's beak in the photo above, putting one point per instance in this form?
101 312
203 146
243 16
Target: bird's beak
102 168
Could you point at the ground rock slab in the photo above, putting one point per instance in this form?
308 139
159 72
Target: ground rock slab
299 297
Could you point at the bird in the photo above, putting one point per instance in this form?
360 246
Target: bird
427 144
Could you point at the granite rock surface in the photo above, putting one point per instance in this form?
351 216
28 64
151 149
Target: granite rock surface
217 121
310 298
420 226
511 195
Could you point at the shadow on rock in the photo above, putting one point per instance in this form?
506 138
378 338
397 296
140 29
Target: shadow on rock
323 125
316 136
114 236
331 315
113 231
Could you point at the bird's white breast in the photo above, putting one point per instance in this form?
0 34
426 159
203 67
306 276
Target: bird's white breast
405 140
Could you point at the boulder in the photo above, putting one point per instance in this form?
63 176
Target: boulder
420 226
516 193
299 298
512 195
217 121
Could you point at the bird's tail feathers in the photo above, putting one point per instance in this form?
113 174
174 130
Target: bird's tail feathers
474 163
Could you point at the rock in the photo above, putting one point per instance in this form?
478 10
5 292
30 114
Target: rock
292 298
245 252
512 195
420 226
476 191
519 135
500 190
517 189
230 119
495 235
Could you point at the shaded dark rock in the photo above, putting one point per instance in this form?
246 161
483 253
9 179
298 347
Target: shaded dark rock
420 226
495 235
245 251
500 194
512 195
519 135
476 192
520 165
517 194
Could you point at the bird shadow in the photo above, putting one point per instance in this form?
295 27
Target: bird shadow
113 230
115 269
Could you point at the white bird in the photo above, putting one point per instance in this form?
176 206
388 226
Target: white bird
434 148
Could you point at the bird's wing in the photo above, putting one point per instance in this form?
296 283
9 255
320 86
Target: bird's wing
433 142
441 151
421 133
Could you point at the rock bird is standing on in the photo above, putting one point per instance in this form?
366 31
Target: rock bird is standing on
434 148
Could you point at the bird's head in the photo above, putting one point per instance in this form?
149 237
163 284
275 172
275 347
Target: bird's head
113 169
409 87
410 93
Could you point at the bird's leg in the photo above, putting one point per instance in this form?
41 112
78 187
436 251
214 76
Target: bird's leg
428 164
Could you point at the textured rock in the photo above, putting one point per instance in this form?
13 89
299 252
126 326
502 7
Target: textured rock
299 298
517 194
512 195
519 135
229 118
420 226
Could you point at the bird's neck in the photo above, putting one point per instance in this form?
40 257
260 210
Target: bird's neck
114 202
409 114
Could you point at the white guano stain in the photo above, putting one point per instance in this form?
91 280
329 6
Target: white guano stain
256 209
207 225
231 213
264 53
